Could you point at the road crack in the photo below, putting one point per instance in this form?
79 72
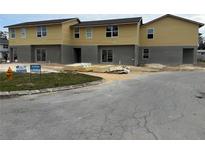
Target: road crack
147 128
143 123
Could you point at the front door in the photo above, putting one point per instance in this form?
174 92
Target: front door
41 55
77 55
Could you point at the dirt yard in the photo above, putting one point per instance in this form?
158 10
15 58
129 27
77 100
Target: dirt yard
134 70
97 70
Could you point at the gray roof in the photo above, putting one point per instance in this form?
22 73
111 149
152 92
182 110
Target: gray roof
109 22
3 41
44 22
177 17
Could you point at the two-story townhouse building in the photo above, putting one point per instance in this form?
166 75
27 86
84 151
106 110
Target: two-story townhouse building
168 40
41 41
108 41
174 40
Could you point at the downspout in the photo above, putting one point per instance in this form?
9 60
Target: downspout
136 47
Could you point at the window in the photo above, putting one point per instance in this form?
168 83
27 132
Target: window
89 33
111 31
76 32
41 31
12 33
40 55
150 33
145 54
5 46
107 56
23 33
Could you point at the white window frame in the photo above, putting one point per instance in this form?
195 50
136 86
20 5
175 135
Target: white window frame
74 32
144 54
42 31
36 54
112 31
148 33
107 50
23 33
89 31
11 33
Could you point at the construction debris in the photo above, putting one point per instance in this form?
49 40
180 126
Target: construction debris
155 66
101 68
87 67
81 67
118 70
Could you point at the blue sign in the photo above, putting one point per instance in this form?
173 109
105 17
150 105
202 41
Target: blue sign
21 69
35 68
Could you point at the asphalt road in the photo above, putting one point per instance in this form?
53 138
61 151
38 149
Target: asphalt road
158 106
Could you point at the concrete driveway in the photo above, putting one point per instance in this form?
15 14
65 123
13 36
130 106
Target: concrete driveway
157 106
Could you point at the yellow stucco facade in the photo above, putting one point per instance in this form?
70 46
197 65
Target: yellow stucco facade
67 32
54 36
170 32
127 34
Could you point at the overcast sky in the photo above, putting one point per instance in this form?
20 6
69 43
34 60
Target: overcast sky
18 18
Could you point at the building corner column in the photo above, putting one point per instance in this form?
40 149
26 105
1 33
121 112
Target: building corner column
136 55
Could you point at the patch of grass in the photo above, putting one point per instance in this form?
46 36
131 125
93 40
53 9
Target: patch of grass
49 80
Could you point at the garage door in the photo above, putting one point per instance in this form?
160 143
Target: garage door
188 56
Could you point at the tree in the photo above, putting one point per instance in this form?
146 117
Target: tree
201 42
3 34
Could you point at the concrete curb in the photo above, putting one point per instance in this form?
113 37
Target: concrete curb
10 94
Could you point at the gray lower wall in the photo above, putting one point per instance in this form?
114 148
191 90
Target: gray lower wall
27 53
122 54
137 48
168 55
67 55
195 54
53 53
89 54
23 53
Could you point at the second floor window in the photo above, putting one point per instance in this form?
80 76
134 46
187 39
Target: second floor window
76 32
12 33
111 31
89 33
150 33
41 31
23 33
